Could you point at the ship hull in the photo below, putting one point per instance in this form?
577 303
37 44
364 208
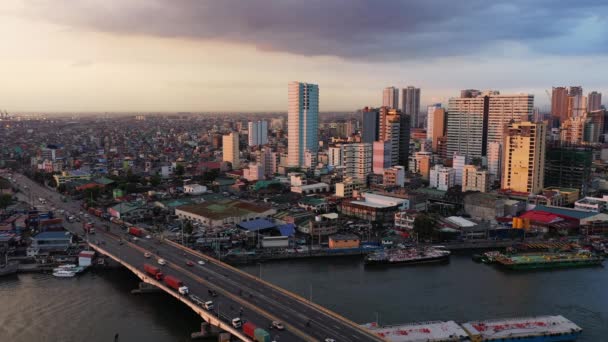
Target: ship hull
416 261
548 338
552 265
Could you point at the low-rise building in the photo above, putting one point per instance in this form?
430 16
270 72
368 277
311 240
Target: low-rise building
217 213
194 189
321 225
67 176
344 241
442 178
474 179
405 219
595 204
347 187
394 176
306 189
49 242
374 207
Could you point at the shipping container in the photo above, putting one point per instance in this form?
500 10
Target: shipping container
249 329
173 282
136 231
153 271
261 335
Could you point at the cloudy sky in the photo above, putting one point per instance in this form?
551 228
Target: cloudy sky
239 55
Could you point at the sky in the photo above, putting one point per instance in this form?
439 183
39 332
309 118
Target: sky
235 55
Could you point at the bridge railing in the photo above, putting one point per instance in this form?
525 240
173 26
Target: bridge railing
209 317
277 288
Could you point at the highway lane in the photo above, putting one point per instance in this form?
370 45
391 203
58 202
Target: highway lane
262 302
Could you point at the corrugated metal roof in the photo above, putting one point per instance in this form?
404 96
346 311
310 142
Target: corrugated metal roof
287 229
579 214
255 225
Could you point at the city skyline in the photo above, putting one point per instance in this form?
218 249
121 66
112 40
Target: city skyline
60 58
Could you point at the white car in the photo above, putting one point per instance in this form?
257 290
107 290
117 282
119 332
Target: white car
278 325
330 340
148 237
209 305
236 323
162 262
147 255
201 262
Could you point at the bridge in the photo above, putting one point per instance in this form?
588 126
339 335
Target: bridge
239 294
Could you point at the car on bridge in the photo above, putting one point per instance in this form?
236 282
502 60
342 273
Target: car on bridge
162 262
277 325
147 255
208 305
189 263
237 323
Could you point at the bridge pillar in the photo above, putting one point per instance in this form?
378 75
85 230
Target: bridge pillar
145 288
206 330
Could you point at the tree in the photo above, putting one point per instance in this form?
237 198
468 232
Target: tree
155 180
5 200
179 170
424 226
188 228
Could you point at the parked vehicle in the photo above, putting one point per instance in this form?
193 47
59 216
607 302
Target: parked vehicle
176 284
153 271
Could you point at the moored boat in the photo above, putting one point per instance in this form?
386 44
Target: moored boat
408 256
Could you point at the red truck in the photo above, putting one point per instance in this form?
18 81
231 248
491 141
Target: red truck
88 227
176 284
153 271
249 329
136 231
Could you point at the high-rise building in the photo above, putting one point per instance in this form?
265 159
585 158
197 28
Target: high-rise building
594 101
404 140
442 178
504 108
575 90
371 125
572 130
524 157
268 160
494 161
258 133
458 163
430 110
390 98
466 130
411 105
436 126
474 122
577 106
568 166
230 149
381 156
302 121
390 130
357 160
559 103
474 179
334 155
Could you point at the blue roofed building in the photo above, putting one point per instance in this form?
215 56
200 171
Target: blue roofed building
46 243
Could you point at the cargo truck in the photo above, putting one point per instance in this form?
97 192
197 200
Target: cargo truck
136 231
88 227
176 284
256 334
153 271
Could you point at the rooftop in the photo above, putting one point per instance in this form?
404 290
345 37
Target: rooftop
574 213
217 210
52 236
255 225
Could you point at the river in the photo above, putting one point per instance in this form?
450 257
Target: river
98 304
